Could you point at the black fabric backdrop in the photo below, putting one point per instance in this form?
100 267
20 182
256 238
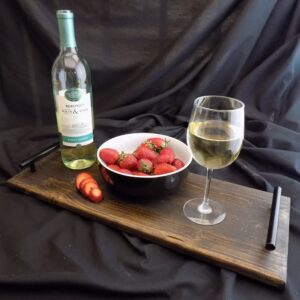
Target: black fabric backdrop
149 60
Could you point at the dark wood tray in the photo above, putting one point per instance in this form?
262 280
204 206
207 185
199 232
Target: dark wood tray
236 244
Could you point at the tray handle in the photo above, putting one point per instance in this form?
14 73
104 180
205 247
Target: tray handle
274 219
30 162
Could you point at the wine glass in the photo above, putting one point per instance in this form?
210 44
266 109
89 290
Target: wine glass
215 135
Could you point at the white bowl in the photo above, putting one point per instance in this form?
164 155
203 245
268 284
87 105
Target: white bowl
134 185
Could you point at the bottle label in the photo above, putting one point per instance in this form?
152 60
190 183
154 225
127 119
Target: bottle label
74 94
74 117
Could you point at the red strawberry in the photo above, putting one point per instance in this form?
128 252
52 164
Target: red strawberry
85 181
138 173
80 177
114 167
156 143
88 186
163 169
145 165
144 152
169 151
95 195
109 155
162 158
178 163
125 171
128 161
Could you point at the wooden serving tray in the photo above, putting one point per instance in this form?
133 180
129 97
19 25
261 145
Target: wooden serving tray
236 244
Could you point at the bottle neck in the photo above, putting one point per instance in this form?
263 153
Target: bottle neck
67 34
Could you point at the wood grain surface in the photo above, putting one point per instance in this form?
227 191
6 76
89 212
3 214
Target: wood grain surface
236 244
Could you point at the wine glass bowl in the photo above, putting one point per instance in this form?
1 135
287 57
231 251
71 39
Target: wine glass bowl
215 135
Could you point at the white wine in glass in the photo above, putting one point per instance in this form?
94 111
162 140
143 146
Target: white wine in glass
215 136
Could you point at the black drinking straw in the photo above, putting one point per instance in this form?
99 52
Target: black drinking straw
274 219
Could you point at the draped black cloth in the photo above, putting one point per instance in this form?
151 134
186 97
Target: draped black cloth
149 61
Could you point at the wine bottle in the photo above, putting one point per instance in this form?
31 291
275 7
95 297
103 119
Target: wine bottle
72 92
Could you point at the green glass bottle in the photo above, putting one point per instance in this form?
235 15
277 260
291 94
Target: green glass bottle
72 92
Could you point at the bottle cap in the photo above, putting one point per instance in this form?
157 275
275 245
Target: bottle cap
64 14
66 28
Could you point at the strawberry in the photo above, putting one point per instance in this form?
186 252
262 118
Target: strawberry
138 173
145 165
144 152
156 143
178 163
162 158
85 181
88 186
168 151
109 155
125 171
114 167
127 161
80 177
164 168
95 195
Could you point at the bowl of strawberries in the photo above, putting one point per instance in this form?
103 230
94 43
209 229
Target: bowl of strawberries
143 164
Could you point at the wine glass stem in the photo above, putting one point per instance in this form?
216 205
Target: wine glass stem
204 207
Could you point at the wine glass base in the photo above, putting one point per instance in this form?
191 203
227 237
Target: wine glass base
192 212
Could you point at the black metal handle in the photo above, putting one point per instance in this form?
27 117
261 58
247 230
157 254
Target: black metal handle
31 160
274 219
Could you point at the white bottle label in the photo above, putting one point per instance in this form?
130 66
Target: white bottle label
74 117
